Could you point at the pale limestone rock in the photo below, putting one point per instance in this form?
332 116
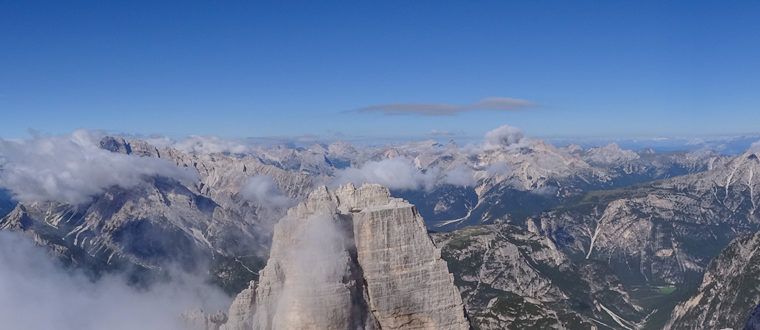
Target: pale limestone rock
197 319
409 285
352 258
143 148
115 144
241 310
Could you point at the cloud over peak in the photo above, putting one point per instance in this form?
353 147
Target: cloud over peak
38 292
445 109
72 168
502 137
402 174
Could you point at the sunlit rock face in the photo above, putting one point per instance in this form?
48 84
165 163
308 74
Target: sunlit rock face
158 221
353 258
664 231
242 309
408 283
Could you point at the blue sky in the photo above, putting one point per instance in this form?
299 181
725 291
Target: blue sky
287 68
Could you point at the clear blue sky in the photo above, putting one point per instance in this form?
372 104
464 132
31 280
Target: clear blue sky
273 68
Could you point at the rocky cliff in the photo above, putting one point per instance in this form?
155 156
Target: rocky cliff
161 221
728 291
352 258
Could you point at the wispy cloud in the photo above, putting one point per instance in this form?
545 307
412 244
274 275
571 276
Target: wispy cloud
40 293
399 173
445 109
72 168
436 132
263 191
196 144
755 147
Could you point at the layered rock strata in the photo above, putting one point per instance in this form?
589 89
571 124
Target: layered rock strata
351 258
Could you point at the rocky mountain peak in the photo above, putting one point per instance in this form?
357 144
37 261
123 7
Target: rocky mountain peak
609 155
352 258
143 148
115 144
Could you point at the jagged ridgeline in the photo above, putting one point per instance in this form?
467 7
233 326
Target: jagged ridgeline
162 222
525 235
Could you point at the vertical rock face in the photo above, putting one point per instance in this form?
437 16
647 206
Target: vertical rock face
408 283
352 258
728 291
310 281
242 309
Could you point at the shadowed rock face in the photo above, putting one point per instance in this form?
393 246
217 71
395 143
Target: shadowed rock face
115 144
753 321
728 291
352 258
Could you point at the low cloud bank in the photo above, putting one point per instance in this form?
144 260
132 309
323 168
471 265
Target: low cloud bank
37 293
402 174
71 168
263 191
459 176
197 144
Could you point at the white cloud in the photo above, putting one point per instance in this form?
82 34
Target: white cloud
436 132
263 191
399 173
502 137
159 141
196 144
37 293
71 168
439 109
546 191
497 169
755 147
459 176
391 173
317 261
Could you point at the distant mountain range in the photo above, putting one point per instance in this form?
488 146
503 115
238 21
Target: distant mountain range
535 235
